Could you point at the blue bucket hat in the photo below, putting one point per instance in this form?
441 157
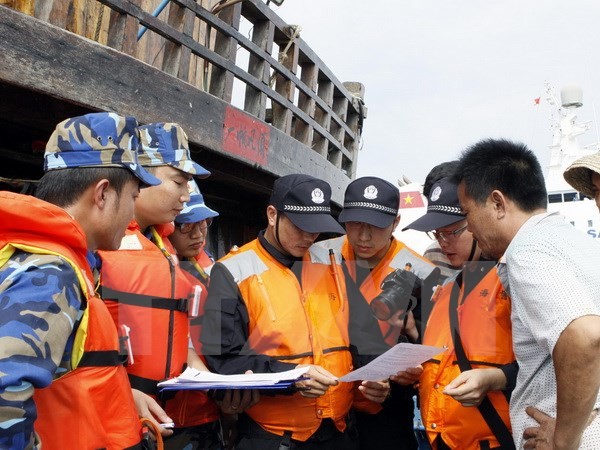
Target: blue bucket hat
195 210
96 140
166 144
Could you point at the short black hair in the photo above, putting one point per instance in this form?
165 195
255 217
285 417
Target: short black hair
442 170
63 187
507 166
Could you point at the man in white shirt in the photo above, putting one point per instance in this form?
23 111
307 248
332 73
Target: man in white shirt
551 272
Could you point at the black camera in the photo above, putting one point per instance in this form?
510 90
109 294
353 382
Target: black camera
400 290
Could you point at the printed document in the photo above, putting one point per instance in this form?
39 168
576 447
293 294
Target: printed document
398 358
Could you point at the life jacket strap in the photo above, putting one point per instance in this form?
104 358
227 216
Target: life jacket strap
145 301
107 358
146 385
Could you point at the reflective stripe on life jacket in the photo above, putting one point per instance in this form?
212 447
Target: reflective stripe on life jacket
299 324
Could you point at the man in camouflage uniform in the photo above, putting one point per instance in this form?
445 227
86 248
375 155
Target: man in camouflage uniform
146 290
54 332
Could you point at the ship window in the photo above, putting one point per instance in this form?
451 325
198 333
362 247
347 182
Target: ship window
571 196
554 198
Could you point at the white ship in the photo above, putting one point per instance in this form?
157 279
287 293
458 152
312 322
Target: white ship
580 210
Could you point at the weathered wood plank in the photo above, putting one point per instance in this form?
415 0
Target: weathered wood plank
25 6
282 116
59 14
42 9
302 130
186 53
340 108
264 10
256 8
255 101
352 144
122 30
161 28
221 80
252 5
172 53
322 117
116 30
84 72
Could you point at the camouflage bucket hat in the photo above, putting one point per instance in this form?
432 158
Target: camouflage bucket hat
96 140
195 210
166 144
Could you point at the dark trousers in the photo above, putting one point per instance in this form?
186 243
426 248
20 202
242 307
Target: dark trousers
441 445
391 428
252 437
202 437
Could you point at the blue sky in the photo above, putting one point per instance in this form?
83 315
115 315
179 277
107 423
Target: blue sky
441 75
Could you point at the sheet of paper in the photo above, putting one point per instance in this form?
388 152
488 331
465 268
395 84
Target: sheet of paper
400 357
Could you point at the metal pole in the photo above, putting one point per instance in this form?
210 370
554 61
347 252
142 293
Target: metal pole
156 12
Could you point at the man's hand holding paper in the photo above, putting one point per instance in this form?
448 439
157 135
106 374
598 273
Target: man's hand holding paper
317 381
408 376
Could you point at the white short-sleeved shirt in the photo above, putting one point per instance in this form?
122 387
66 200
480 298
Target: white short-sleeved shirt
552 272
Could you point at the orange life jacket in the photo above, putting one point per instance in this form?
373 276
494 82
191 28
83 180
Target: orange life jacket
486 335
198 277
145 289
74 411
210 408
396 257
298 324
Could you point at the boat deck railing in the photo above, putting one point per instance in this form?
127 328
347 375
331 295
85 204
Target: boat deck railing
271 74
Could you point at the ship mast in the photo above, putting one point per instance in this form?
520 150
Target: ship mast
563 119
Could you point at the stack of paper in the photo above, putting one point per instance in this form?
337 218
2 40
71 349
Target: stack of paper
197 380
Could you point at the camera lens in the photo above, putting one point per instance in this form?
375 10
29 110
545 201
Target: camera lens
381 309
396 294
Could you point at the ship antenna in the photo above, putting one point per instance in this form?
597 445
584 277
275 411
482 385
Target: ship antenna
597 145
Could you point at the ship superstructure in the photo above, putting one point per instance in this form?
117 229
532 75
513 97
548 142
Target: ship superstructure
580 210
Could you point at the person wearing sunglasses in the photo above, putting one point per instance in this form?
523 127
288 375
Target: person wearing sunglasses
464 391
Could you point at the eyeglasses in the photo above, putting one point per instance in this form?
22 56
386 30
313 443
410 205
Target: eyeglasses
188 227
446 236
